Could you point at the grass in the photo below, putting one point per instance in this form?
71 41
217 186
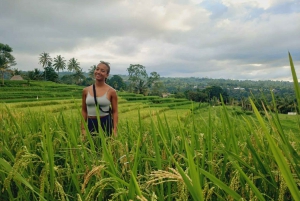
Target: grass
56 159
161 153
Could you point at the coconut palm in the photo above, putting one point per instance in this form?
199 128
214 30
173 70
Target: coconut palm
78 76
73 65
59 63
44 59
91 71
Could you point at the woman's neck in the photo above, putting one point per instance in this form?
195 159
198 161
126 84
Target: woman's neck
100 83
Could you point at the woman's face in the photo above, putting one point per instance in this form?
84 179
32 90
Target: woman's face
100 72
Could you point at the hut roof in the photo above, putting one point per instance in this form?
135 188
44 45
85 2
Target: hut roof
16 77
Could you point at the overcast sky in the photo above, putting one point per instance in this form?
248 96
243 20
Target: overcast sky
230 39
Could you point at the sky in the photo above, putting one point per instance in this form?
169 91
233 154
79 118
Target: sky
228 39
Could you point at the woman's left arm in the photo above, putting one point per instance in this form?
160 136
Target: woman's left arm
114 105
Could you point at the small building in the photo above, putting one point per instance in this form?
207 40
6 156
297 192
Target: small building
16 77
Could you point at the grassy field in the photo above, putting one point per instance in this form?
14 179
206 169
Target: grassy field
165 150
158 153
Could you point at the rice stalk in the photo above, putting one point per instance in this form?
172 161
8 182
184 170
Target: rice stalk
60 191
279 157
95 171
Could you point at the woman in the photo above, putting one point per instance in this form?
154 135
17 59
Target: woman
106 99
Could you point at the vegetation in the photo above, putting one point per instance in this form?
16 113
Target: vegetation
117 82
59 63
234 92
139 81
197 152
6 59
73 65
45 60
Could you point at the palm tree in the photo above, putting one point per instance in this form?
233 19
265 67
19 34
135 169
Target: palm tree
44 59
35 74
78 76
141 87
91 71
73 65
59 64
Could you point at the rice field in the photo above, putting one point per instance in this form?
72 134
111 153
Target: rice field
160 153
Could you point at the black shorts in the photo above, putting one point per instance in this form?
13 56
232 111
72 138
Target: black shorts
105 122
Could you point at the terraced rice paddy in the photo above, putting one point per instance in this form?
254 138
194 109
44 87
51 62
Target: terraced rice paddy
165 150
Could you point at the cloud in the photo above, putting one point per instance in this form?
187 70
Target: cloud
204 38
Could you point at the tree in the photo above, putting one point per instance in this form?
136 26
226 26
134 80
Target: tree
59 64
140 82
91 71
73 65
35 75
78 76
117 82
16 71
87 82
197 96
44 59
158 89
67 79
51 74
216 91
6 59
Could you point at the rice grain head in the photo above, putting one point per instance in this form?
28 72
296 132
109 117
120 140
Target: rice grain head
95 171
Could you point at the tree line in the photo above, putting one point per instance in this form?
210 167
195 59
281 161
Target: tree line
139 81
233 92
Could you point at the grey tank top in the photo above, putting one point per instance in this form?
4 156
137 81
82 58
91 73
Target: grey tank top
102 101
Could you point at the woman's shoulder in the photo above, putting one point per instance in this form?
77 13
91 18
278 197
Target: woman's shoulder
86 89
111 90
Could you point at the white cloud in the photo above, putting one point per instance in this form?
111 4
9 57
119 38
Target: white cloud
255 3
234 39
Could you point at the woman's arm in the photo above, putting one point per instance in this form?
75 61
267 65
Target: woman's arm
114 105
84 109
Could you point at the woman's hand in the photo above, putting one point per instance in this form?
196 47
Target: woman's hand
115 132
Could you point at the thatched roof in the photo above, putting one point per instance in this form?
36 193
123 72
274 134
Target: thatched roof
16 77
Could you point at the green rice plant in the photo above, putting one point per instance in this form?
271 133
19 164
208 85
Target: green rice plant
279 157
197 153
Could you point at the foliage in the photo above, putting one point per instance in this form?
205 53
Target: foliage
67 79
167 154
78 75
117 82
198 96
73 65
59 63
216 92
91 71
140 82
45 60
16 71
160 153
50 74
6 60
179 95
157 89
35 74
